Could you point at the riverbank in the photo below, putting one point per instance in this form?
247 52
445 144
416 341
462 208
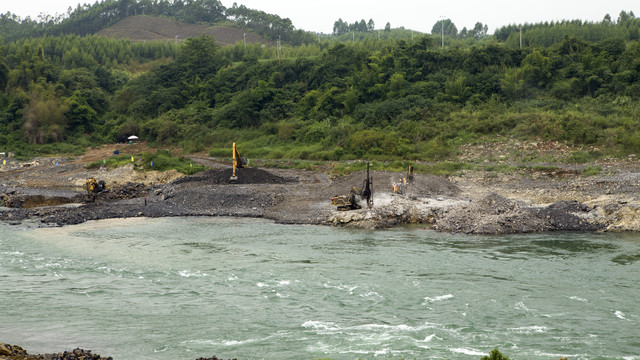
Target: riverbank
526 199
15 352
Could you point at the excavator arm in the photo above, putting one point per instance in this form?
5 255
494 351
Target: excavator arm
238 162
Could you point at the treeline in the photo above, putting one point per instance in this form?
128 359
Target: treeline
376 97
89 19
399 99
626 27
340 27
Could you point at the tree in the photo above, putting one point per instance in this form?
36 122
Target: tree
445 26
371 25
340 27
495 355
480 31
44 116
199 56
536 69
387 28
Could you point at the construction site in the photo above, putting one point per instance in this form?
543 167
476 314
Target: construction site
57 192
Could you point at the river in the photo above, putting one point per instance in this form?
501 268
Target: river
183 288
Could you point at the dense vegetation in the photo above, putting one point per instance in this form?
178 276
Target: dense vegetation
373 95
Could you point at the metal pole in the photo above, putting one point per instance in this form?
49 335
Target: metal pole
442 27
520 36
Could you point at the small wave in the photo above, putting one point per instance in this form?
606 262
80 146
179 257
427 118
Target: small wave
371 294
188 273
529 329
14 253
468 351
319 325
620 315
436 298
577 298
330 327
428 338
350 289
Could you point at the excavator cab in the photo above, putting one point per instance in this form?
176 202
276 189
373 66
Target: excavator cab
94 186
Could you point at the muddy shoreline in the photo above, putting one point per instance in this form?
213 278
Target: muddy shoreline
472 202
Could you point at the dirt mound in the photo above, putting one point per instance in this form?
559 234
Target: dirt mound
422 185
142 27
245 176
126 191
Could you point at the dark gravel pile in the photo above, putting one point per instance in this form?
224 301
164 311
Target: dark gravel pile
15 352
126 191
245 176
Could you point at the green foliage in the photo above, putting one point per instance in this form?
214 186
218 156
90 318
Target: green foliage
113 162
591 170
384 96
162 160
582 157
495 355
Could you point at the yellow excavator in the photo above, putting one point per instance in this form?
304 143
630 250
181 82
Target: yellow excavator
355 197
238 162
94 186
401 186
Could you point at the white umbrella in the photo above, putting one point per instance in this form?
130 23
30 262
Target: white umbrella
132 137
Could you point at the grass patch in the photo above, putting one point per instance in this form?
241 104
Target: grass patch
582 157
112 162
591 171
161 160
444 168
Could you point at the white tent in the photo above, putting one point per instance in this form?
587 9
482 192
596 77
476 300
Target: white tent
132 137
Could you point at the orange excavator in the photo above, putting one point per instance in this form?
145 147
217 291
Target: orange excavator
238 162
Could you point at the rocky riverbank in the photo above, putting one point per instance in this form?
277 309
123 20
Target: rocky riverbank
480 202
15 352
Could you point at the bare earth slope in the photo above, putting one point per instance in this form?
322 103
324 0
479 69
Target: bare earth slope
148 28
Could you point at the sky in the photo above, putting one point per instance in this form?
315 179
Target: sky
418 15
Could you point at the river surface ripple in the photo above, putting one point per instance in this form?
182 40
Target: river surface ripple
183 288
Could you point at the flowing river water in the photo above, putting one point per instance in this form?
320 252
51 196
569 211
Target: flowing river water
184 288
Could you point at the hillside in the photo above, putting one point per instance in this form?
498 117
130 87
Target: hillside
142 27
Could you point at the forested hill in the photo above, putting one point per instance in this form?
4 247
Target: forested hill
90 19
374 96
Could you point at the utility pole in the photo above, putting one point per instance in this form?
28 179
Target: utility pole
520 36
442 27
278 48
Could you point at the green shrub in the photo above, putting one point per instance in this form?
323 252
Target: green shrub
591 170
495 355
581 157
221 152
